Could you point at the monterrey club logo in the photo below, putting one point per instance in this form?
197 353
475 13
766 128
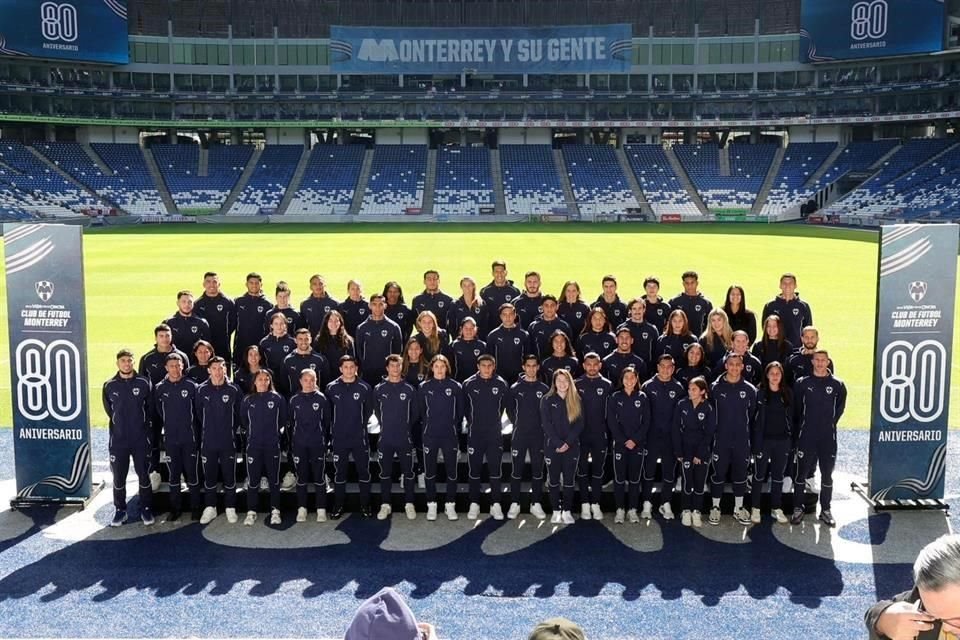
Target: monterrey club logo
44 290
917 290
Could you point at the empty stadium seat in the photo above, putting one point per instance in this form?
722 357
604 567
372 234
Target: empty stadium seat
32 186
749 164
397 178
269 181
179 164
800 161
659 182
531 184
329 180
597 180
464 183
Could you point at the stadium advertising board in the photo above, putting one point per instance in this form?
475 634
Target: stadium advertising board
914 340
570 49
851 29
48 363
79 30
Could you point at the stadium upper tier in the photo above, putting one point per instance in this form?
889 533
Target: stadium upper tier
917 178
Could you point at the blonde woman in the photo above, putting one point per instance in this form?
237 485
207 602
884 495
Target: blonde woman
433 340
562 419
717 339
468 305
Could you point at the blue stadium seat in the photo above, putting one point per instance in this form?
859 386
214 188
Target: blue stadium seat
30 185
464 183
800 161
597 180
397 178
269 181
179 164
531 184
329 180
659 182
749 164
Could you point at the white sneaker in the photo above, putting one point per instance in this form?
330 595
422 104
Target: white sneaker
555 518
422 481
647 512
208 515
788 485
474 511
513 511
686 519
154 481
666 511
250 519
585 511
595 512
496 511
537 511
321 515
431 511
289 481
742 516
302 514
567 518
780 516
410 510
755 515
232 516
632 516
697 519
619 516
450 509
714 516
275 516
385 511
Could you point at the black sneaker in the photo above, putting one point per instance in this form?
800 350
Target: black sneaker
337 512
174 515
827 518
797 516
366 511
147 516
118 518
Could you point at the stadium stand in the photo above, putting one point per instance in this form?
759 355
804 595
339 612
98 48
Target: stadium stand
329 180
856 156
530 181
800 162
180 166
597 180
749 165
397 179
130 188
36 188
659 181
270 179
464 184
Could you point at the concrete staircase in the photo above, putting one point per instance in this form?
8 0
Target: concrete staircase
295 181
561 165
66 176
878 165
97 160
429 183
819 173
724 159
362 182
768 181
685 180
242 182
496 172
203 168
633 183
158 180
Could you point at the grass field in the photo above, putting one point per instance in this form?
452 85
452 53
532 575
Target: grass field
132 274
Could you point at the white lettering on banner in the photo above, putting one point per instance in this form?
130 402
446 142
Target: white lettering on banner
480 51
35 433
926 435
913 381
48 380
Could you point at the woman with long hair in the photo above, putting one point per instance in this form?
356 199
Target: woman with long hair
675 338
717 338
741 318
696 365
397 309
562 419
465 350
432 338
253 362
262 413
202 352
562 356
628 418
415 369
572 308
694 424
773 346
771 441
596 335
468 305
441 412
333 342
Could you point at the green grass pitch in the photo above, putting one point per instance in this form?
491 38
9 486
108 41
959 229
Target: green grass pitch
132 275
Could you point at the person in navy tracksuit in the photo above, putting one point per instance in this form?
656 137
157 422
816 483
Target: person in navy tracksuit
561 416
485 398
173 402
560 356
218 407
656 311
543 328
735 401
309 414
376 338
523 411
800 362
694 426
247 368
692 302
644 333
314 309
128 402
663 393
772 346
623 357
752 369
220 313
397 309
628 418
675 338
355 308
573 309
594 390
529 304
500 291
794 312
153 363
304 357
263 417
186 326
251 309
275 348
432 298
819 401
609 301
696 365
717 338
398 410
433 339
468 305
441 410
291 315
596 336
508 343
772 440
202 352
333 342
466 349
351 405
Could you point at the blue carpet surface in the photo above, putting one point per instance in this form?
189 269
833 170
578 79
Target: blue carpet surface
62 573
